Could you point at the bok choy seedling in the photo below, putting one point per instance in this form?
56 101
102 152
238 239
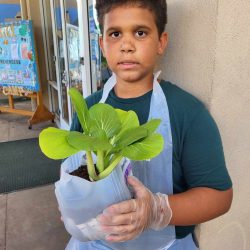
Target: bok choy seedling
109 133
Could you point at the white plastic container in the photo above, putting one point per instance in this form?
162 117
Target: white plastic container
80 201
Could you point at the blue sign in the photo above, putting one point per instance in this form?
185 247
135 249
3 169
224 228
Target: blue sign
18 67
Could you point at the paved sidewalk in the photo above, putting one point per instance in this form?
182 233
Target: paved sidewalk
15 127
29 219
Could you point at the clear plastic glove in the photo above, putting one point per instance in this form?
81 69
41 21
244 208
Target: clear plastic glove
128 219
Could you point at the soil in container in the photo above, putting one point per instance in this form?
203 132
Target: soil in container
82 172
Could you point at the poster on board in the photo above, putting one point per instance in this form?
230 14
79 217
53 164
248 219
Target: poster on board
18 67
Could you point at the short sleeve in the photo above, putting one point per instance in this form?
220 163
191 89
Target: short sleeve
202 157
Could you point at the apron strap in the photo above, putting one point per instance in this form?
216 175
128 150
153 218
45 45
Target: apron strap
109 85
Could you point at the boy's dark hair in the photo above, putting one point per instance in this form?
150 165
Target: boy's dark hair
157 7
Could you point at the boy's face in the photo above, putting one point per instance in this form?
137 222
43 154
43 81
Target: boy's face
131 43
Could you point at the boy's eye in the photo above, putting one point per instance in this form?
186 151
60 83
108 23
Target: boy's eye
140 33
115 34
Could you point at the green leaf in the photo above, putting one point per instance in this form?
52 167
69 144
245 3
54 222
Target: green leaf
130 136
98 133
54 145
129 119
152 125
81 109
105 118
146 149
87 143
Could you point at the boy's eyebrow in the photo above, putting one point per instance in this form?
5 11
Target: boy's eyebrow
137 27
112 29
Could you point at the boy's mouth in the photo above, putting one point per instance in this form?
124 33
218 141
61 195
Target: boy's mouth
127 64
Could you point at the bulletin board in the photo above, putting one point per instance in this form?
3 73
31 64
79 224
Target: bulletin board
18 64
19 73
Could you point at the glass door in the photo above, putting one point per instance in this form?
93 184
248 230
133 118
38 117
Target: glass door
67 57
73 44
100 72
73 47
59 59
51 59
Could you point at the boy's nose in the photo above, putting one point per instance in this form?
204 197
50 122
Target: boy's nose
127 46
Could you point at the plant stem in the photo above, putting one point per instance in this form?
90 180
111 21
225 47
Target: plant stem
91 166
109 169
100 160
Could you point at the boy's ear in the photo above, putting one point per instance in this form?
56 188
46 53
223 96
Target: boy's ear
163 42
101 45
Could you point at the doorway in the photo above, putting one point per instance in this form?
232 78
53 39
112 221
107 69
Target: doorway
73 53
66 58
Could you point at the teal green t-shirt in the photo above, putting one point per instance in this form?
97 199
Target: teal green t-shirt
198 158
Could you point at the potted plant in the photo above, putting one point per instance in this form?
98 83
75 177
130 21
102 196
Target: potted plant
110 137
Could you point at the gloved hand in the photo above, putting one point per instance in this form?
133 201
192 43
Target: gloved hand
128 219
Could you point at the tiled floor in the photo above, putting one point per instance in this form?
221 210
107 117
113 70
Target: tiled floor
29 219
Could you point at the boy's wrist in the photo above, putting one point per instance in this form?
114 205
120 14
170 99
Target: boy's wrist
162 212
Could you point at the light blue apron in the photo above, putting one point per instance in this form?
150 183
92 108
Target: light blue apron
155 174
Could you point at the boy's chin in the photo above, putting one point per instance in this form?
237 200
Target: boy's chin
131 77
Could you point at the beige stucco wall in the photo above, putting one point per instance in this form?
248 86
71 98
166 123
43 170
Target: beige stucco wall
209 55
189 60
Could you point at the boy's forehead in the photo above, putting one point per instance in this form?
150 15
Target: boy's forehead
128 15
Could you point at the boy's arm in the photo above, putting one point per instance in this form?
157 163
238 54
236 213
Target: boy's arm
128 219
198 205
209 186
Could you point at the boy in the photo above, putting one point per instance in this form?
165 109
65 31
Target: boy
187 183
